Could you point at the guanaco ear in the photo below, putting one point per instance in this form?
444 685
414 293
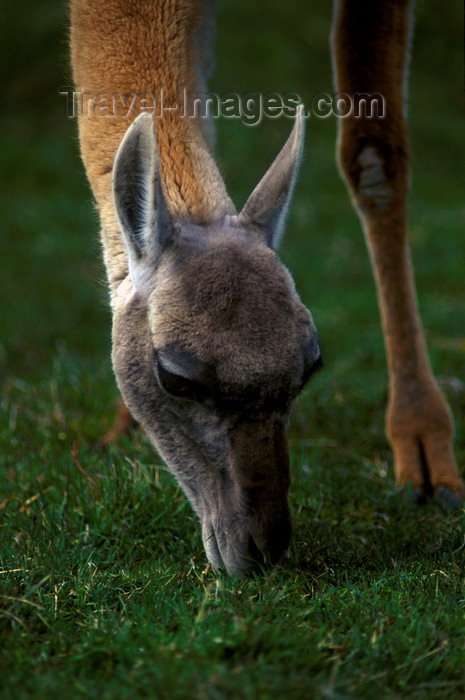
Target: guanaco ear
140 205
266 208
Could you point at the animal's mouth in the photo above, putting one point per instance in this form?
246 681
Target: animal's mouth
256 554
241 555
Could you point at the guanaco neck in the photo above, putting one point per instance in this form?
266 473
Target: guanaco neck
126 48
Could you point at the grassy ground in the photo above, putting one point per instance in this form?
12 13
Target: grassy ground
102 585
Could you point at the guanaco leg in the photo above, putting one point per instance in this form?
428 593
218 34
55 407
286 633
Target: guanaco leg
370 51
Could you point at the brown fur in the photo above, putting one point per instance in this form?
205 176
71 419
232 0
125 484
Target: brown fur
127 47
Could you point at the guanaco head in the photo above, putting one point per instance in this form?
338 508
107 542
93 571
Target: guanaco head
211 345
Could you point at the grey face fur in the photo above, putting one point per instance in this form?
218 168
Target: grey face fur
211 344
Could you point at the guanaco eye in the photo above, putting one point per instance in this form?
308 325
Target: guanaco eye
182 375
313 361
177 385
311 369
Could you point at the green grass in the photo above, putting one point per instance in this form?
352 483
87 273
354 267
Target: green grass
103 589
